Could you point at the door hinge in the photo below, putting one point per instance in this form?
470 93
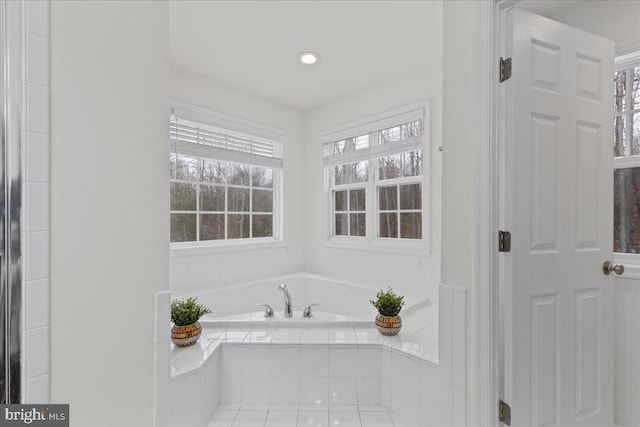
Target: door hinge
505 69
504 241
505 413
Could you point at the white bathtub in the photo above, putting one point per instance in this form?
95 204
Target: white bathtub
340 302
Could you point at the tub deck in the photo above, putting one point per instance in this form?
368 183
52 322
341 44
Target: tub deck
418 337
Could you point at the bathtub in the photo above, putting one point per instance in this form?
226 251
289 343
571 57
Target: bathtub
340 303
241 358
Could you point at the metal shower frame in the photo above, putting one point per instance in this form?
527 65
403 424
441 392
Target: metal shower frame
11 112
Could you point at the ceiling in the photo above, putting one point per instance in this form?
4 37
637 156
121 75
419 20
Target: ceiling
253 45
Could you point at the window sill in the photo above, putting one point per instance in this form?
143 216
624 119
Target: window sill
180 250
379 246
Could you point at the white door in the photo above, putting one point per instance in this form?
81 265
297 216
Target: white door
558 207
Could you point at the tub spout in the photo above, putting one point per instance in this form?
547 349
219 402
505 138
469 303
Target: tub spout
288 312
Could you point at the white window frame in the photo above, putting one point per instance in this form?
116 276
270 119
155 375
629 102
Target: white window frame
627 57
370 125
243 127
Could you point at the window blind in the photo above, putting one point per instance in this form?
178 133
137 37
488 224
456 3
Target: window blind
201 140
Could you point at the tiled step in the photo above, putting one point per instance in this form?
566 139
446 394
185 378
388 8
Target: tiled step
298 416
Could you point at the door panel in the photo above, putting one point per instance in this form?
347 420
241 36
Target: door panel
558 191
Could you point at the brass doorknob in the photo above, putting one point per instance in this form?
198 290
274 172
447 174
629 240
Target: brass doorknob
608 267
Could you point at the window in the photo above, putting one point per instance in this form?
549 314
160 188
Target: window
376 180
225 184
626 148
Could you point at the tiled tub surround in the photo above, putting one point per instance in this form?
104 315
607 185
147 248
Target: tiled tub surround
308 370
355 373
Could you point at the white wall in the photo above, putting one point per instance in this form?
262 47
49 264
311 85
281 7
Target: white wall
409 273
222 268
459 169
110 204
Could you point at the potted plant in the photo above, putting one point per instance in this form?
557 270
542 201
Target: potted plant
389 305
185 314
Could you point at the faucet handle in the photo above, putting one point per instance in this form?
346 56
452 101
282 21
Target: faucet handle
268 311
307 311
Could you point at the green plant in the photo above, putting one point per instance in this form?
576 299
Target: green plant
388 303
186 311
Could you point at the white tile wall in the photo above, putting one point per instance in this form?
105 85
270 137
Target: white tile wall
255 389
252 374
314 390
193 274
37 248
343 390
232 360
37 59
162 402
162 336
405 402
184 392
37 390
423 392
209 389
38 162
284 390
453 345
376 270
314 361
37 301
38 108
194 397
370 391
37 17
232 386
256 361
36 204
37 358
369 362
343 361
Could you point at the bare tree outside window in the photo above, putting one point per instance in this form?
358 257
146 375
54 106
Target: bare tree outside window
388 165
626 145
215 200
225 183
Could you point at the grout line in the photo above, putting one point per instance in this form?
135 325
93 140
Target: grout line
235 418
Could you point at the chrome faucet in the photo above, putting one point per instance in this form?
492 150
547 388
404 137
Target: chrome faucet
287 300
307 311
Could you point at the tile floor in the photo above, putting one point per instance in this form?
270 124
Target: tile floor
228 415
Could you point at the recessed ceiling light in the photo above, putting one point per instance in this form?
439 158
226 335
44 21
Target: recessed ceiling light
308 58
